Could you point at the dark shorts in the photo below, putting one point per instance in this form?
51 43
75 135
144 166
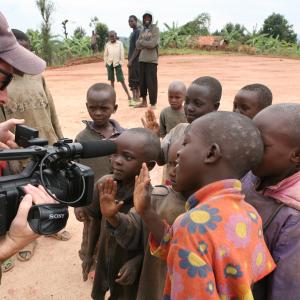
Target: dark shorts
111 73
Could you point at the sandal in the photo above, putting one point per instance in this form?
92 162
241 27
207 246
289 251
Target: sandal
27 252
141 105
7 265
61 236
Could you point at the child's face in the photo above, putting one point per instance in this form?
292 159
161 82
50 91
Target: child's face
278 147
246 103
190 167
172 157
100 106
127 162
175 98
112 37
198 102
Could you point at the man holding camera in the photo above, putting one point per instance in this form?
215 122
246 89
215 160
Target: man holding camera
16 59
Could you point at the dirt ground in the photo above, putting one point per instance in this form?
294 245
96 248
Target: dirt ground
55 270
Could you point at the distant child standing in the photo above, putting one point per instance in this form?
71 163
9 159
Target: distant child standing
174 114
251 99
101 104
114 59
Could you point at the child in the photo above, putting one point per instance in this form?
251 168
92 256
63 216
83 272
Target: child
130 232
133 60
214 250
274 192
114 59
101 104
251 99
174 114
115 269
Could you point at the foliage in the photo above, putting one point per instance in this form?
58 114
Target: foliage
234 32
79 33
46 8
277 26
102 32
199 26
172 37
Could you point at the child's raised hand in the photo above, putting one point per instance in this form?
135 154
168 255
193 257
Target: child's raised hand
141 195
107 193
150 121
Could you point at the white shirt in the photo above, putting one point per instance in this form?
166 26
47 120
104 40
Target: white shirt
114 53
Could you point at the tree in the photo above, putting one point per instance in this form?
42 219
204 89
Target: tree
64 24
199 26
79 32
234 32
102 31
46 8
276 25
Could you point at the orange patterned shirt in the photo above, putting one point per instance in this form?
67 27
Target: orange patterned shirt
216 249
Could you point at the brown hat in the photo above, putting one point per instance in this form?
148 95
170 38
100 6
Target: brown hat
15 54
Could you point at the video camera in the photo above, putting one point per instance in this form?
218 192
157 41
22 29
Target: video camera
68 182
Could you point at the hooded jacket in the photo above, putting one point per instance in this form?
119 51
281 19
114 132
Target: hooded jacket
148 42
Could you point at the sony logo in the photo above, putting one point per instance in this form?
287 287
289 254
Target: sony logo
56 216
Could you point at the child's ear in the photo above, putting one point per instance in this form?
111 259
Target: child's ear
213 154
115 108
296 157
150 164
86 104
216 106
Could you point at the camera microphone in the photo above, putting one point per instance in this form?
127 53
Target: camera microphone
98 148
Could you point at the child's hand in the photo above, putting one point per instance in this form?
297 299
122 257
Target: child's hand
129 271
86 266
107 193
80 214
150 121
141 195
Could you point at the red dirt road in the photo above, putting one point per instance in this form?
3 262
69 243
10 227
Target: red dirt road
54 272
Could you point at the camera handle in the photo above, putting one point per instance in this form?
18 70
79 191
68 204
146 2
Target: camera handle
46 219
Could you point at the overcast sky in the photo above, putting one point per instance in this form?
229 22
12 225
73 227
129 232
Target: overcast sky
23 14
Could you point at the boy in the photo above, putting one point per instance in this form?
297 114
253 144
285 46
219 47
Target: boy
114 59
101 104
148 43
251 99
274 192
215 249
174 114
133 60
130 232
135 146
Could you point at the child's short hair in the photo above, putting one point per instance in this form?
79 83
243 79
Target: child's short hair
264 93
290 114
133 17
98 87
238 136
112 32
20 35
214 86
151 142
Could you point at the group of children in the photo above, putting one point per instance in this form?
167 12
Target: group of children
225 222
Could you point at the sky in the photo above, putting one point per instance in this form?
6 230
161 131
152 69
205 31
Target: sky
23 14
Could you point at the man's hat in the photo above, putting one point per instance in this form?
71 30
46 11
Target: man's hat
15 54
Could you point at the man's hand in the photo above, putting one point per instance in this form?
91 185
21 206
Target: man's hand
129 64
141 195
20 234
129 271
86 266
150 121
7 138
108 204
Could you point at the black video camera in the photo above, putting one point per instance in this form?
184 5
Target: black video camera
68 182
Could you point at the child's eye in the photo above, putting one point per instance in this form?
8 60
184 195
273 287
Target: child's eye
128 157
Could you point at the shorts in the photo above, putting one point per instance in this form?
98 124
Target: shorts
111 73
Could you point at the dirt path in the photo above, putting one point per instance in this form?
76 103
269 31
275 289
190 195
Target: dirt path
55 272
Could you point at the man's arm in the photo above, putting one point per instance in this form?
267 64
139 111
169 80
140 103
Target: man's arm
20 234
153 42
